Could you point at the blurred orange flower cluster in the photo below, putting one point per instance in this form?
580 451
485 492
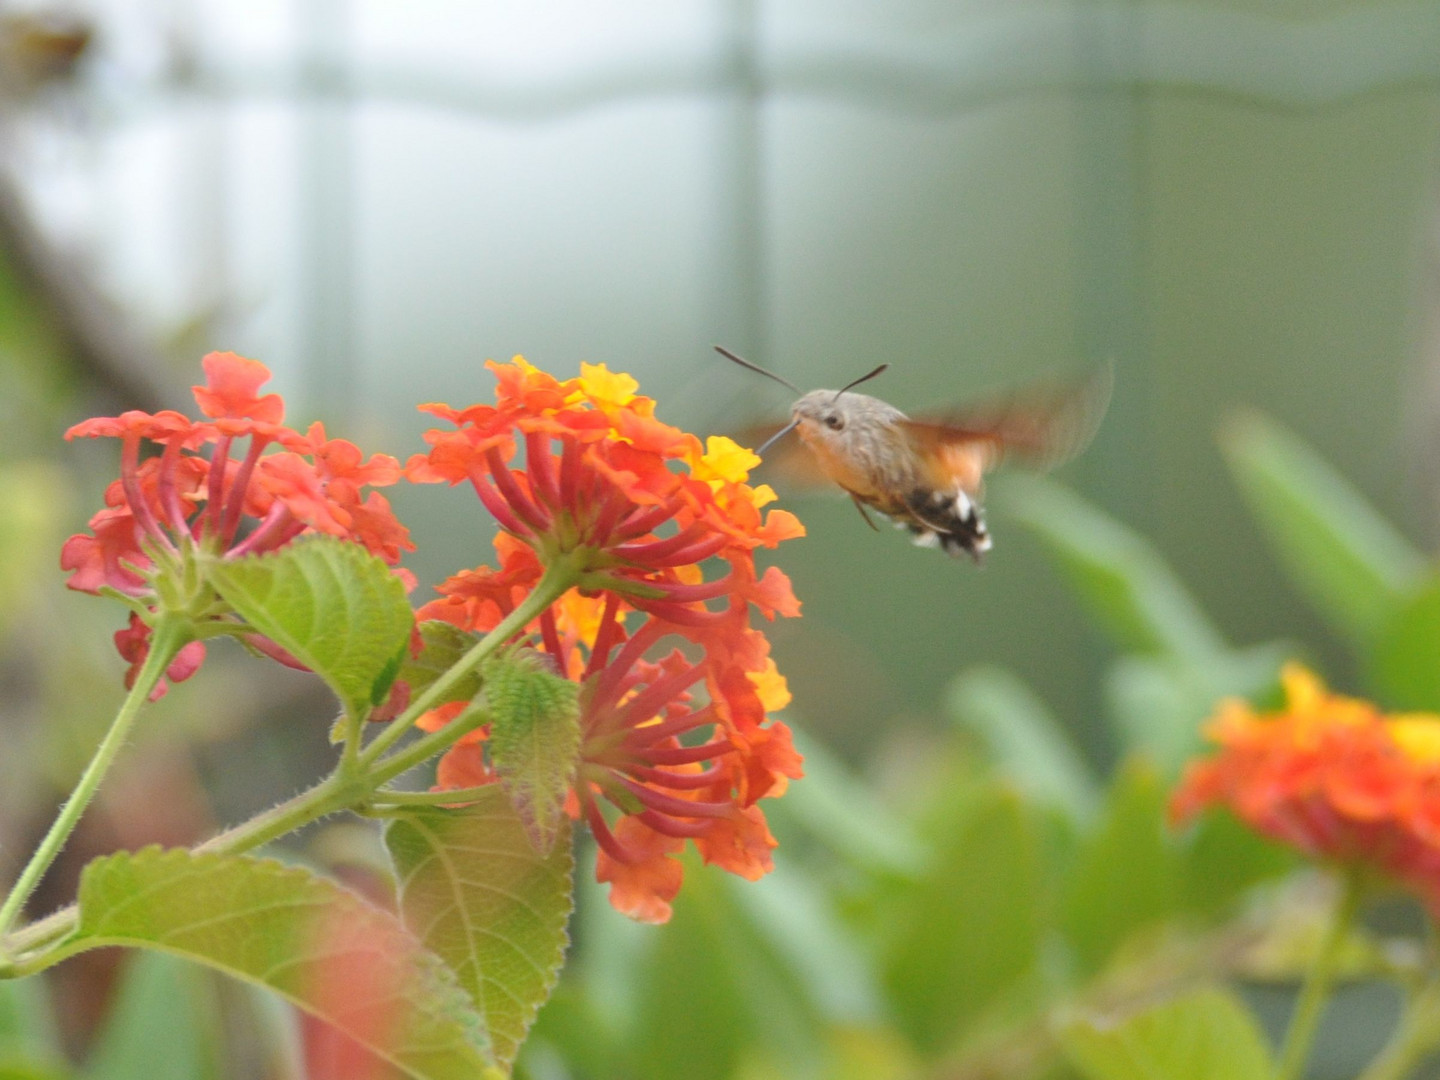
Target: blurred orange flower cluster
1332 776
638 507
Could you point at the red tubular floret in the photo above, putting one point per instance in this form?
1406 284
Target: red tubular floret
541 467
601 831
525 508
669 804
655 697
668 826
686 755
215 483
235 500
676 781
497 507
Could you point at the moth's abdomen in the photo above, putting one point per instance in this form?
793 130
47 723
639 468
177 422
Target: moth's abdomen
948 519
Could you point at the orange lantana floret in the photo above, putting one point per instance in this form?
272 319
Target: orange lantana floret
1330 775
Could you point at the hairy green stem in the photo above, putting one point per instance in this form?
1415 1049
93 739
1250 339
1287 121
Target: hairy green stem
325 798
458 796
350 752
560 576
425 748
168 637
1318 981
37 935
351 786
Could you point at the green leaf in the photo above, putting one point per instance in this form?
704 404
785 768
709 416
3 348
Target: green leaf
1158 705
1127 874
479 895
791 916
28 1036
835 806
713 995
1348 560
162 1001
534 739
32 494
443 644
316 944
1223 858
1123 579
967 937
335 607
29 1070
1206 1035
1405 663
1024 739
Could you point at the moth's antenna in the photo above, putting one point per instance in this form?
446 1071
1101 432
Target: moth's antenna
757 368
863 378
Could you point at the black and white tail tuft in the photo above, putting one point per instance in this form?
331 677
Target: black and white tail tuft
949 520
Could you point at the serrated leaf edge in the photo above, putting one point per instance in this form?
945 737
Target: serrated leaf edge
549 978
333 547
451 1001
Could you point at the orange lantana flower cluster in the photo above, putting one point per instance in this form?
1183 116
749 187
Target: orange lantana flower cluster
638 507
609 488
1330 775
169 507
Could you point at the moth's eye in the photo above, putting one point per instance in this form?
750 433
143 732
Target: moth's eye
834 421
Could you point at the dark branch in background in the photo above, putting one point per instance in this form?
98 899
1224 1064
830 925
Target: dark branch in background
38 52
39 49
105 349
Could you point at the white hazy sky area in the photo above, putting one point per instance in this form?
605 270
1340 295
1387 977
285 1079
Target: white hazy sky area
925 182
477 202
573 182
554 178
195 205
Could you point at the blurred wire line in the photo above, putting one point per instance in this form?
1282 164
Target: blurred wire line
1104 53
327 206
1111 310
1270 61
739 225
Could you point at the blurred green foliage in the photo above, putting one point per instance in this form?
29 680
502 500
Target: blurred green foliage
991 905
1037 920
1002 909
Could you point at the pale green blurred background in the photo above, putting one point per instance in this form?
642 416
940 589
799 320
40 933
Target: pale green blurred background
1235 201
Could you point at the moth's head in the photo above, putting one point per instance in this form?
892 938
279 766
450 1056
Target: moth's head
823 417
827 416
821 409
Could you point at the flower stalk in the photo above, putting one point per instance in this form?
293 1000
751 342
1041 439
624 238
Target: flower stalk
1417 1034
558 579
168 637
1315 991
351 788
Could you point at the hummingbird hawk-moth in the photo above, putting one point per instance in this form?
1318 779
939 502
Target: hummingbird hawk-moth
927 475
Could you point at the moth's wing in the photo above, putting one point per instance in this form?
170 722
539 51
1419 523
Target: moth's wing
788 462
1041 426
